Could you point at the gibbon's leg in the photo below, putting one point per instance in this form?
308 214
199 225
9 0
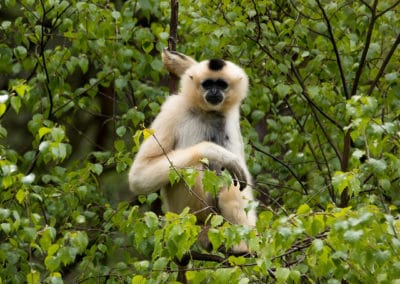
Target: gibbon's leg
148 174
232 202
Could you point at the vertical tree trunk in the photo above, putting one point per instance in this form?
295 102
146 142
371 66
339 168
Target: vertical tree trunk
172 40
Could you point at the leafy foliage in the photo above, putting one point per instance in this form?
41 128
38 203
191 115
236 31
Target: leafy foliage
81 80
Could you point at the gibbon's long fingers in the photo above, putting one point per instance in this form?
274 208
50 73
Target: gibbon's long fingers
227 159
238 175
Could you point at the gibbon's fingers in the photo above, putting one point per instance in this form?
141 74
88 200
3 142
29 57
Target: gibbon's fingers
238 175
225 158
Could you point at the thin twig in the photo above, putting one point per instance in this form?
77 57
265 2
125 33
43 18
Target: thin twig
283 164
335 49
212 209
384 64
365 50
309 100
42 49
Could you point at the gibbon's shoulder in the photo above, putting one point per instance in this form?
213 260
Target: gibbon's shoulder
174 107
174 102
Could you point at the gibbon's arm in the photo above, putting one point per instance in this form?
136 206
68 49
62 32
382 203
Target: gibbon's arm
150 170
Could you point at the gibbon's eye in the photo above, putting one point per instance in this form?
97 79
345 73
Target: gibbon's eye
221 84
218 84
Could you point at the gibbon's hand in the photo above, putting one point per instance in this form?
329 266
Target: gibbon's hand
237 173
227 160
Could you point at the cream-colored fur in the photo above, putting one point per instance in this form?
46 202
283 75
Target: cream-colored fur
179 141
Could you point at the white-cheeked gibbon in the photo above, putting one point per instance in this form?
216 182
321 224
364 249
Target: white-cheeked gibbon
200 123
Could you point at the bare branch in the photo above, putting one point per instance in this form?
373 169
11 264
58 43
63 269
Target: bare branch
283 164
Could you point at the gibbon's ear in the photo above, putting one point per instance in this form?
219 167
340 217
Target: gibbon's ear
176 62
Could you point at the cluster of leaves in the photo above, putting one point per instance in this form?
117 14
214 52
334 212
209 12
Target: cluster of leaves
80 80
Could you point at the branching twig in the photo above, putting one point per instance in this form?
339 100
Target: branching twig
384 64
365 50
283 164
309 100
314 154
315 107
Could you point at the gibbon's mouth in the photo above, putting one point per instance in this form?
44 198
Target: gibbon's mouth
214 99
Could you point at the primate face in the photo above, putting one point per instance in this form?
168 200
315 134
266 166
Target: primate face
214 90
214 85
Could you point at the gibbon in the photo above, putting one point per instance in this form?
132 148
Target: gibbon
201 122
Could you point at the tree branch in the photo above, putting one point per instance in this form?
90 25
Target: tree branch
335 49
388 9
283 164
309 100
315 107
42 49
313 153
384 64
365 50
172 40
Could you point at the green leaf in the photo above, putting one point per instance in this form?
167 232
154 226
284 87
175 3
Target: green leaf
6 227
119 145
83 64
353 235
234 260
121 131
21 194
215 238
33 277
116 15
161 263
52 249
43 131
15 103
282 90
21 88
97 169
3 108
52 263
216 220
282 274
138 279
303 209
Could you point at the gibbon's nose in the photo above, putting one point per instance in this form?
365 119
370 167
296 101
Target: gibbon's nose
214 97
